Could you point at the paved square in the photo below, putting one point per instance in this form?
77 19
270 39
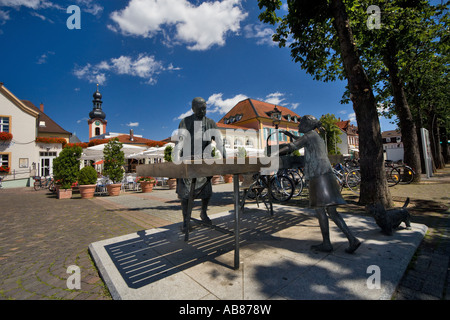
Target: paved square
276 259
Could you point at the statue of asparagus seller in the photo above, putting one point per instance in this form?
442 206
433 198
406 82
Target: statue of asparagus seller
324 192
197 134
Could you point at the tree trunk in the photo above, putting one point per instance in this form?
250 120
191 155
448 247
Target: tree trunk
374 186
433 127
407 126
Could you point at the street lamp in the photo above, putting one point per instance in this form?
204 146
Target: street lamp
276 119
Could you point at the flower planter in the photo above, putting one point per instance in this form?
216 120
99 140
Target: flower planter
146 186
172 183
113 189
64 193
87 191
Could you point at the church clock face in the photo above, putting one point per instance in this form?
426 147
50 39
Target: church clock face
97 123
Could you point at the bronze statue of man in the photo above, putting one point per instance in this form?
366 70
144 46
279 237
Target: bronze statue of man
197 133
324 191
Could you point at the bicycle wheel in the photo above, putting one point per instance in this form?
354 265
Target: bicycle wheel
298 182
393 177
282 188
353 180
406 174
257 188
37 185
52 187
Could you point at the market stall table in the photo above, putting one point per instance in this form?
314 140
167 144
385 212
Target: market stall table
194 169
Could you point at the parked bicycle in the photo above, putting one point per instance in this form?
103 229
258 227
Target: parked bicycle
392 173
406 173
44 183
296 175
281 186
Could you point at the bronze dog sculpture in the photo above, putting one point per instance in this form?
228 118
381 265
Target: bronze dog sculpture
389 220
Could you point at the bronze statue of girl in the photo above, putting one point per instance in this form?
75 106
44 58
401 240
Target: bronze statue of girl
324 191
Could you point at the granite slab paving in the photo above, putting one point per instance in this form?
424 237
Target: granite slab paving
276 261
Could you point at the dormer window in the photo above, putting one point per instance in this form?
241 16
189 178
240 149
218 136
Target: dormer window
226 121
41 124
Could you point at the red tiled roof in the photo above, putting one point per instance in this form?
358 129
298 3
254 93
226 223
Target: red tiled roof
229 126
251 108
125 138
50 125
347 127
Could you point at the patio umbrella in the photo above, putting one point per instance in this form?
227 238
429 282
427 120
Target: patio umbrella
96 152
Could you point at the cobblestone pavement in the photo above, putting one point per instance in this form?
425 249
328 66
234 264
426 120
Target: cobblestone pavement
40 237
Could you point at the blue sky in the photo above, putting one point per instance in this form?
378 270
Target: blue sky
151 58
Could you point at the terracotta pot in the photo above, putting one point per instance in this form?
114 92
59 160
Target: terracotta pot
228 178
146 186
64 193
113 189
87 191
172 183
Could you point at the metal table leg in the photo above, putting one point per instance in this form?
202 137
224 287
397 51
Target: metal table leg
236 220
189 208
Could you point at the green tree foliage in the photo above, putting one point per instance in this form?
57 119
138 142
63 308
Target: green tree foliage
87 175
66 166
321 40
332 133
114 159
168 153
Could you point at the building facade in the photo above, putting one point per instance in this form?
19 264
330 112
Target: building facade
352 137
392 145
249 124
32 141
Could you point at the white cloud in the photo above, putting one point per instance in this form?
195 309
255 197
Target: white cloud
352 117
275 98
43 58
179 21
4 16
33 4
260 32
90 73
184 115
144 66
90 7
217 104
132 124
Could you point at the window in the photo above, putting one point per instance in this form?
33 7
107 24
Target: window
4 124
4 160
97 131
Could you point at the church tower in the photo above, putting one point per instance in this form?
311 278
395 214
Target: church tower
97 122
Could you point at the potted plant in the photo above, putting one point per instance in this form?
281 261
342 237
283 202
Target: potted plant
87 182
172 182
146 184
65 170
114 159
216 178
